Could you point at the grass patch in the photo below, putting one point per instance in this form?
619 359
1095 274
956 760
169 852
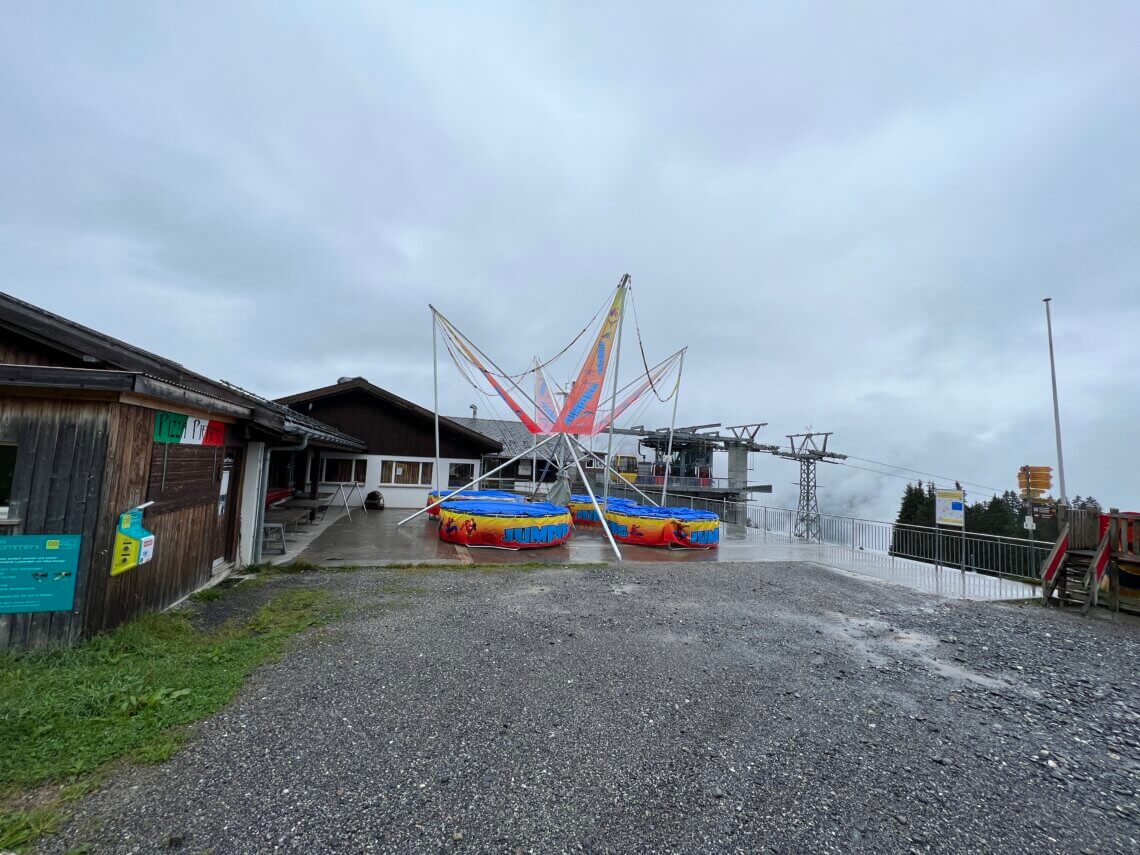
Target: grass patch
20 827
208 595
265 572
64 714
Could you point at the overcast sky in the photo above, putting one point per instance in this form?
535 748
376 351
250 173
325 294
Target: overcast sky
849 215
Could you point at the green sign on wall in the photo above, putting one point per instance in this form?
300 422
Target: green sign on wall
179 429
37 572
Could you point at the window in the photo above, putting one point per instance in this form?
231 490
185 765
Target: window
459 474
406 473
342 470
7 471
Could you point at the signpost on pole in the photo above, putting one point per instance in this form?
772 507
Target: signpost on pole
1034 482
950 510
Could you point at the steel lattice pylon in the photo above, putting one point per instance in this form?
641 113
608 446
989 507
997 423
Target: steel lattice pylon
807 512
808 448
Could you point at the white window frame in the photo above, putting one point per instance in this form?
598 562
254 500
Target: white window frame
419 484
352 460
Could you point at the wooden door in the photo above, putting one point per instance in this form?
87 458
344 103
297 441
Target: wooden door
225 529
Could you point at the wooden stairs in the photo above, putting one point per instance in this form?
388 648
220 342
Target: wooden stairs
1073 574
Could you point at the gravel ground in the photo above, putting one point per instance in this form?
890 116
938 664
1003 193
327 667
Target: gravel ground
747 707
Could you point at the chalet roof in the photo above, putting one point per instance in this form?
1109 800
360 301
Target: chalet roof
512 434
117 365
491 443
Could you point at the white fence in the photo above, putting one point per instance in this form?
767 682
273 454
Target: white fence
1005 557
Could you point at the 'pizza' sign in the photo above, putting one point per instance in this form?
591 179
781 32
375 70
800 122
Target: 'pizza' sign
178 429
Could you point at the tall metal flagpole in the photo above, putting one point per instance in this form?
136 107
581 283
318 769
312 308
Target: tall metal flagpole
435 383
1056 407
594 501
669 453
613 397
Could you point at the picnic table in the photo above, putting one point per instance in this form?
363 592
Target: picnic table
287 517
321 505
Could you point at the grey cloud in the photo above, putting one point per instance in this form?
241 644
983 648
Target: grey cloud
849 214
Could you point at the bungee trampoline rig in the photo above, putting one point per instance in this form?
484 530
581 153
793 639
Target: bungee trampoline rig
558 420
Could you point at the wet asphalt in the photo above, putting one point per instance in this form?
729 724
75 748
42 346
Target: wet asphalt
670 708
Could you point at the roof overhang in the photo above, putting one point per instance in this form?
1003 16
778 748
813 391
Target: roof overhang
136 388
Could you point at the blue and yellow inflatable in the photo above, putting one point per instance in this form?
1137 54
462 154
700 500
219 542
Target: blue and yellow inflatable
679 528
487 495
583 513
508 526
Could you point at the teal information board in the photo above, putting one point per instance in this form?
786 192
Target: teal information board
37 572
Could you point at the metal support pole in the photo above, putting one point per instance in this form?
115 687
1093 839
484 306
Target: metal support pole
594 501
1056 406
937 536
613 399
672 423
471 484
435 384
587 452
963 532
534 436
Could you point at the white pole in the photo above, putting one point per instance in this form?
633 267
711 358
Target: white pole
669 453
589 453
471 484
613 398
534 450
1056 407
435 383
594 500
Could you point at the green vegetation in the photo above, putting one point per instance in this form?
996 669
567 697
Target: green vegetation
265 572
20 826
64 714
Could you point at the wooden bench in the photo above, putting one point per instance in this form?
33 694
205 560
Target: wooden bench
273 530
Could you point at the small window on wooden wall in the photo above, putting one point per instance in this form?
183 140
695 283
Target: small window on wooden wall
345 471
7 471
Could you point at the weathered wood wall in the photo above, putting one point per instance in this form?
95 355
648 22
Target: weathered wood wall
388 429
1084 528
16 349
56 489
186 531
82 463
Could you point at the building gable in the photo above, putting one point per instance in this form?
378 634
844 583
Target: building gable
389 424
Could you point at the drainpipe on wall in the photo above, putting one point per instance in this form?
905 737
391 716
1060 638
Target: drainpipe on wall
263 488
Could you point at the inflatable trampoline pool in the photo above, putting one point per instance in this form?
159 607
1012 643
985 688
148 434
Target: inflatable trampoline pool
503 524
679 528
582 509
465 495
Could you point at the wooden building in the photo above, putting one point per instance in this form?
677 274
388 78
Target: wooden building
399 438
126 481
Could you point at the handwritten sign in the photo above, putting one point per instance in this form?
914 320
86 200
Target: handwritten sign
178 429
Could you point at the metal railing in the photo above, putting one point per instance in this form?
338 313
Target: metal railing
649 483
1005 557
